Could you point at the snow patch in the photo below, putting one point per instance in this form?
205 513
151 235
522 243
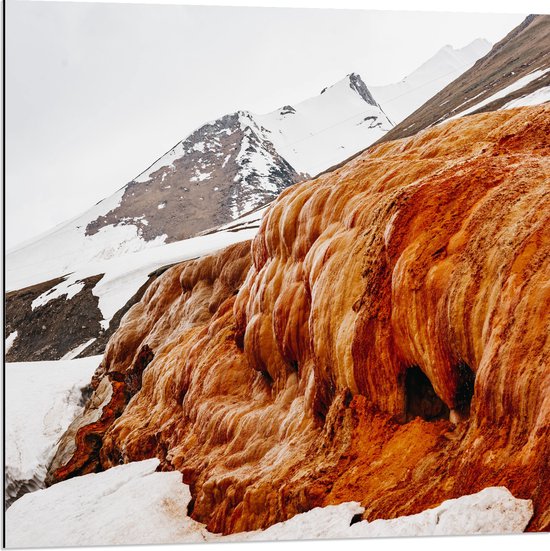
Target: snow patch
71 354
492 511
10 339
66 287
542 95
201 176
128 504
42 400
517 85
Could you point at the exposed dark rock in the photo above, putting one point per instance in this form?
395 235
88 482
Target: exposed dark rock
45 332
287 110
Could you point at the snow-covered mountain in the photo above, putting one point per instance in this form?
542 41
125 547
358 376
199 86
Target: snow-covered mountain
222 170
400 99
515 72
325 130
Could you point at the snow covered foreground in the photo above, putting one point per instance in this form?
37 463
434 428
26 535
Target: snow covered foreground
133 504
42 399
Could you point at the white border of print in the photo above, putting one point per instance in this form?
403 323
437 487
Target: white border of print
471 6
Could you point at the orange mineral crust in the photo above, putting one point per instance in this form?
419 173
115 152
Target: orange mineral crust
384 339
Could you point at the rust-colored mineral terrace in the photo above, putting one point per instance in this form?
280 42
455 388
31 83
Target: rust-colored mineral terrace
384 339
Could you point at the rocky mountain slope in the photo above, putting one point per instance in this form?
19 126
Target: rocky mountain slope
402 98
221 171
515 72
382 340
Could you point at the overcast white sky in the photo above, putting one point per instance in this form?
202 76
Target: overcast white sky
96 92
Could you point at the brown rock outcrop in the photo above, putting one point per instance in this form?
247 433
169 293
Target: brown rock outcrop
384 339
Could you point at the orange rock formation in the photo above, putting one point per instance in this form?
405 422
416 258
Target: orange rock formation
384 339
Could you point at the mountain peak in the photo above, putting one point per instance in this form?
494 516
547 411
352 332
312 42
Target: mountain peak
479 42
355 82
479 47
476 48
